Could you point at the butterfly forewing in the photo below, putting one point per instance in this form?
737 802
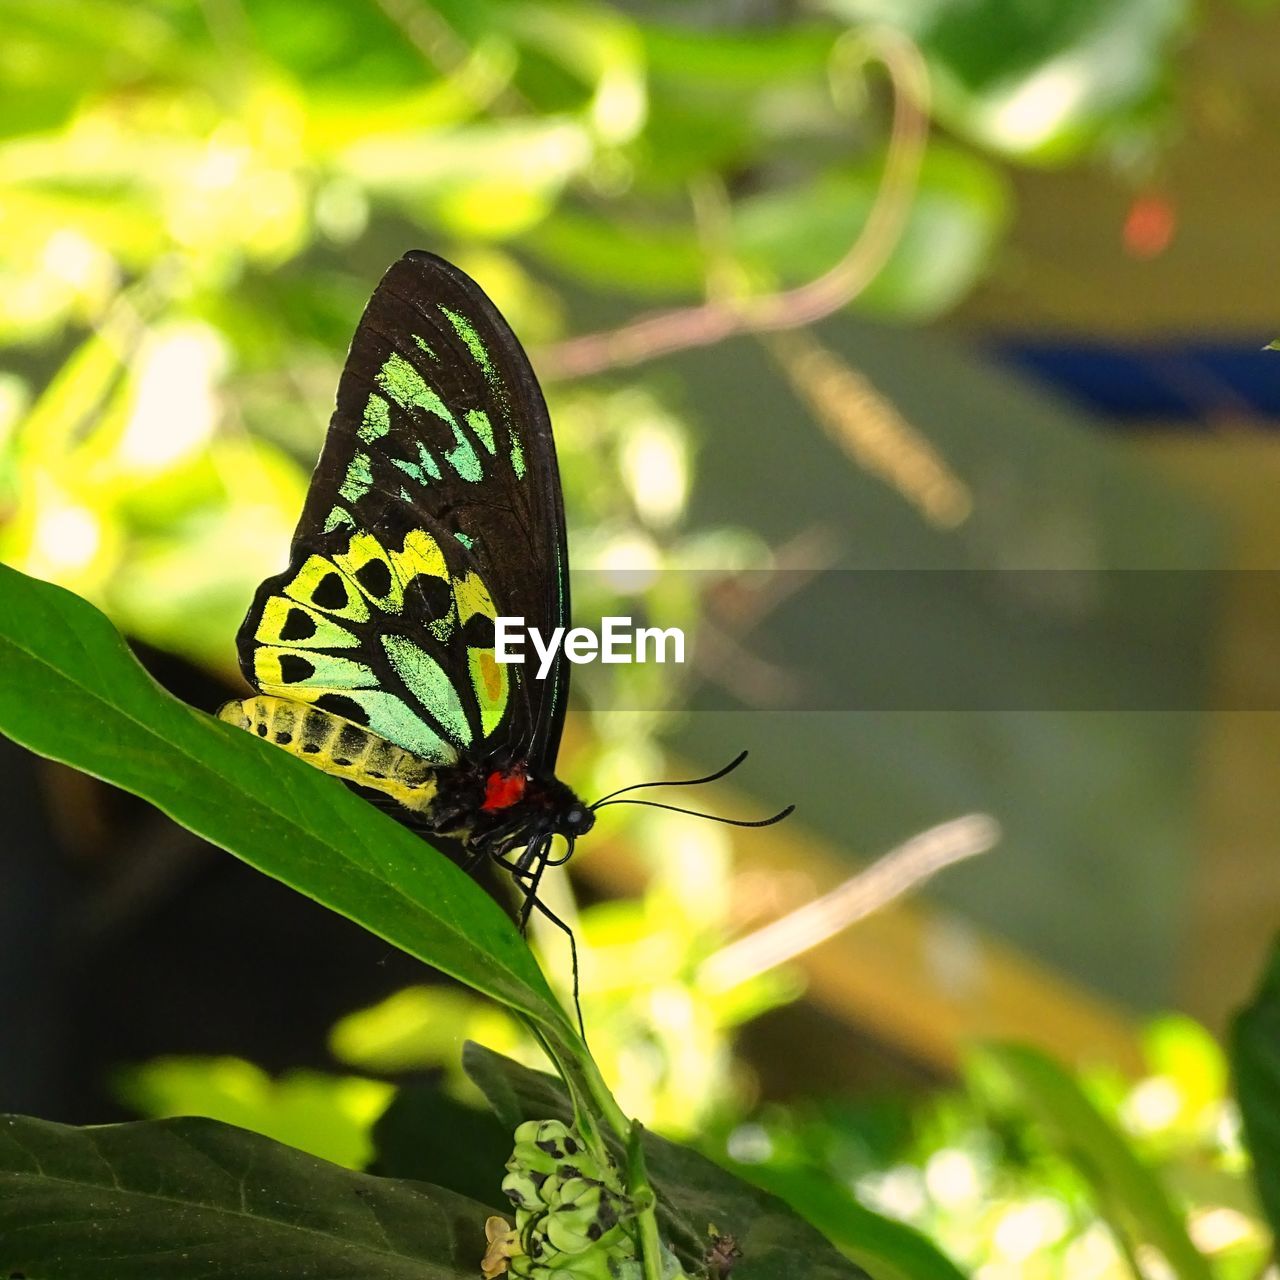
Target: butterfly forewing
434 508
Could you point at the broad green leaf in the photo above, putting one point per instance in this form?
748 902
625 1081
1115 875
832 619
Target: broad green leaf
1130 1194
324 1115
693 1193
70 690
196 1199
1255 1062
697 128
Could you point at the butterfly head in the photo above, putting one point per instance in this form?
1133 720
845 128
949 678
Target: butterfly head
565 814
576 819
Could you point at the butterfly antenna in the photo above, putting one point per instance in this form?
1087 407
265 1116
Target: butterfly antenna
683 782
711 817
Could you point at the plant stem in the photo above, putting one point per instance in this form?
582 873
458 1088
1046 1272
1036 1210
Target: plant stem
646 1202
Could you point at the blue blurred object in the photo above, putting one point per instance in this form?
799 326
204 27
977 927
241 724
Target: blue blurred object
1191 384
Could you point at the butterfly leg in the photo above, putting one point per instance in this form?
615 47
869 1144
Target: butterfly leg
474 858
528 879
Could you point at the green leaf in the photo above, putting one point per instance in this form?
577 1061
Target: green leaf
1129 1193
693 1193
70 690
195 1198
1255 1062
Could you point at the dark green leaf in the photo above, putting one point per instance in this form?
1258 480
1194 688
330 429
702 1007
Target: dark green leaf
167 1199
426 1135
1255 1062
70 690
1129 1193
693 1193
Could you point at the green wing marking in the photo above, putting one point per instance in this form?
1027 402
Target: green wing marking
429 683
376 421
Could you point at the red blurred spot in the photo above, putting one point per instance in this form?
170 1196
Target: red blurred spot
502 790
1149 226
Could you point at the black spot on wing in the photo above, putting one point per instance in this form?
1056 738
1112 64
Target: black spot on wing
347 708
375 578
299 625
479 632
434 597
294 669
330 592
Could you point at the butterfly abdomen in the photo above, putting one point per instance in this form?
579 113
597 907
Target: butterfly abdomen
339 747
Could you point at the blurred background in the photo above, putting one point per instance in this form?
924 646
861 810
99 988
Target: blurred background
940 291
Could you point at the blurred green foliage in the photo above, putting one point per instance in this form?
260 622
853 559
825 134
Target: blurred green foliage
1031 1173
325 1115
195 201
1026 1171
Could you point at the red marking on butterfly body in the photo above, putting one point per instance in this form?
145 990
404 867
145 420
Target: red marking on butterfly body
502 790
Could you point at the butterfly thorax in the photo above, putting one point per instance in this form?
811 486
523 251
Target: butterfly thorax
498 804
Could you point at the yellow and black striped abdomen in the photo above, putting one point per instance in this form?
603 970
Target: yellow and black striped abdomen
338 746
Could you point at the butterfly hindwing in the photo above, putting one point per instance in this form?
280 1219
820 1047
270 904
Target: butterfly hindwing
435 506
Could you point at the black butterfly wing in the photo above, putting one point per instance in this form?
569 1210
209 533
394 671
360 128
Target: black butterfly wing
435 506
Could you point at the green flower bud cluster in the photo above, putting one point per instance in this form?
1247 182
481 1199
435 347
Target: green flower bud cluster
569 1209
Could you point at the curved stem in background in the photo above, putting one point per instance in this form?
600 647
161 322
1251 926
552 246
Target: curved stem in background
898 872
698 326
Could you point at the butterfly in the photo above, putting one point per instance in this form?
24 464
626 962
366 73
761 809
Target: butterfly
435 508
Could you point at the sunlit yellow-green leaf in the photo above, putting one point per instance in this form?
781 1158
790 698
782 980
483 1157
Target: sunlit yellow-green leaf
328 1116
420 1028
